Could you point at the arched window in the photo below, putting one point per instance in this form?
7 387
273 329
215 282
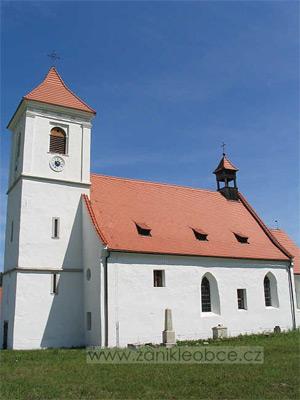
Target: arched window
205 295
210 299
58 141
267 287
270 291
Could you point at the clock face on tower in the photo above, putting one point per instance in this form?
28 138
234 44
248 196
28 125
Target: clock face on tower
57 164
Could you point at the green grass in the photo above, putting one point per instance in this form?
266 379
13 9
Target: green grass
64 374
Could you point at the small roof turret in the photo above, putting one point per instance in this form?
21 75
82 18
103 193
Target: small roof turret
226 178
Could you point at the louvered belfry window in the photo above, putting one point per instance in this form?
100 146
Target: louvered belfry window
58 140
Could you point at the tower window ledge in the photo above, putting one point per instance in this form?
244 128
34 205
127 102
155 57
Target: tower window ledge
59 154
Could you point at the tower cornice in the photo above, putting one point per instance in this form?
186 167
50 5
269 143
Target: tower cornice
33 108
85 185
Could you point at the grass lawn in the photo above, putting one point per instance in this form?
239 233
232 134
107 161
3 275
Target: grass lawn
64 374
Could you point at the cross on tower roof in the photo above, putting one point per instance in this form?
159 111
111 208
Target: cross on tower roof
54 56
223 146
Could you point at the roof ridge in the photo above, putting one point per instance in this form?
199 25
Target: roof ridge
277 230
155 183
264 227
282 231
90 210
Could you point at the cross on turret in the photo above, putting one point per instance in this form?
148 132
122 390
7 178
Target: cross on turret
223 147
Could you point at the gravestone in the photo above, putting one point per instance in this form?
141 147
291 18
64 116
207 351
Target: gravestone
168 333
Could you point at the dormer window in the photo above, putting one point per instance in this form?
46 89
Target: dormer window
241 238
143 229
200 234
58 141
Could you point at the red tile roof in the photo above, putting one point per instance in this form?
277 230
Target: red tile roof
284 239
53 90
170 211
225 163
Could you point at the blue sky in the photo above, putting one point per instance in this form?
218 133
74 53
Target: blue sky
170 81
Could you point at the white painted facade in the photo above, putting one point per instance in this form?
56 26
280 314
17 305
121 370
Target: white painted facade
134 308
93 288
133 301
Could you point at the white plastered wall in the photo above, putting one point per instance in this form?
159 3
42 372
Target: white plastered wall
41 202
11 254
43 319
137 308
8 306
93 288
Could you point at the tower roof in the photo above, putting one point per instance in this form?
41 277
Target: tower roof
53 90
225 163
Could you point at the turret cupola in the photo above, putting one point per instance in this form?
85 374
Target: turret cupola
226 178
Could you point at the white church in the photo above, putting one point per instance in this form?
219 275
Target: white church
96 260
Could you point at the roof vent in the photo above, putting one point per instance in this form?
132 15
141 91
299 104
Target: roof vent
143 229
240 237
200 234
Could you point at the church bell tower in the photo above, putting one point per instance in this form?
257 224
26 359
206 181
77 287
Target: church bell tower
49 172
